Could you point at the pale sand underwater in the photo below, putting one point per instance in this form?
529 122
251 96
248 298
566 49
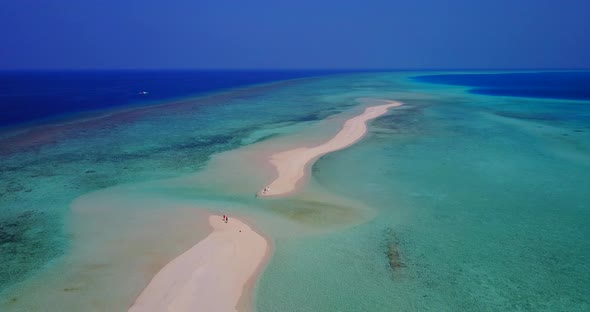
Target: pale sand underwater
212 275
130 235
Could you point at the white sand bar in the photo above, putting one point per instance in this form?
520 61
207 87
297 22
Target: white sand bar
210 276
291 165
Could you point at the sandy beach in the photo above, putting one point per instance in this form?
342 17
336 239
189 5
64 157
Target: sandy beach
291 165
211 276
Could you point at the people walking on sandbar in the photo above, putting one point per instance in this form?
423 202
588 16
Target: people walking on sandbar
225 219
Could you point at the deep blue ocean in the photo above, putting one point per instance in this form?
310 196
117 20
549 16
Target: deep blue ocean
32 96
36 96
574 85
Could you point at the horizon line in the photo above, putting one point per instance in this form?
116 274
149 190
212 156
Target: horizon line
294 69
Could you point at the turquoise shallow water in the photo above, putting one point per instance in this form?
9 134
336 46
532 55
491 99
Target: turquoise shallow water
485 213
453 202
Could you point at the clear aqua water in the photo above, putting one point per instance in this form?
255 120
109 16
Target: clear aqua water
453 202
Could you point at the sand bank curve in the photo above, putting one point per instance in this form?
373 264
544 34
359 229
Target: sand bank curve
291 165
211 275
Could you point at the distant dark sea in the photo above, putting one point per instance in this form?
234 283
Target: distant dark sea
32 97
573 85
36 96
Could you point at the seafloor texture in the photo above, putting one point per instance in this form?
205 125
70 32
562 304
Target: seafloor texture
452 202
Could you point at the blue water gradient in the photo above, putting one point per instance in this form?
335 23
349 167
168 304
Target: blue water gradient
29 96
574 85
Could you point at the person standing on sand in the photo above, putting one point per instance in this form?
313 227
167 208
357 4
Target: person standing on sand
225 218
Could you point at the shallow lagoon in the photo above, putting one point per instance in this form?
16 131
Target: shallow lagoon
453 202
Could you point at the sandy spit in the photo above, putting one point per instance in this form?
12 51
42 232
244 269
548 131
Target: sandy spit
211 276
291 165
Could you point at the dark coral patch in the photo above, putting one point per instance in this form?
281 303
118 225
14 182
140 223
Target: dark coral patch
392 251
24 246
394 258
